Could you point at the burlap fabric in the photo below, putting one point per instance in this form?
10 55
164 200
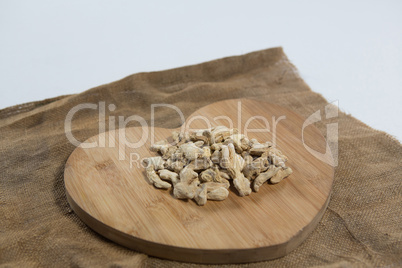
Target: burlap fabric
362 226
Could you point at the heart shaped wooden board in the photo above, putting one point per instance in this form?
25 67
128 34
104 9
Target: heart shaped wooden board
107 188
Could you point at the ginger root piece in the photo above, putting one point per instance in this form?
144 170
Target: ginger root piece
220 133
275 151
277 161
206 153
200 135
217 193
224 174
262 162
176 136
214 185
211 191
167 152
242 184
177 156
254 168
190 150
213 175
216 146
200 164
157 162
245 144
175 166
220 179
251 171
225 161
235 166
257 148
180 138
201 195
263 177
277 158
199 143
168 175
186 188
216 157
154 178
207 175
282 173
237 142
159 146
184 191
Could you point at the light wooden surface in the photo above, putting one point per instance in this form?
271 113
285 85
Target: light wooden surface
116 200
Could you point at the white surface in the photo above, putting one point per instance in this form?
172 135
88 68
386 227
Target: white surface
349 51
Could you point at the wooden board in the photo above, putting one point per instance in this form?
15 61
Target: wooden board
112 195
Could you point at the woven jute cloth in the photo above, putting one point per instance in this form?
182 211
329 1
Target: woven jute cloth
361 227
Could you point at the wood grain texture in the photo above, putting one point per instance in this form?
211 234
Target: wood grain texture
114 198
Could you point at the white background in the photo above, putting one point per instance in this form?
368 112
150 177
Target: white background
349 51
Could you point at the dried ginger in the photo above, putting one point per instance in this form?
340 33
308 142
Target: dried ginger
200 165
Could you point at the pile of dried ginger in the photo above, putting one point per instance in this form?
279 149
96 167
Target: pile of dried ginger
201 164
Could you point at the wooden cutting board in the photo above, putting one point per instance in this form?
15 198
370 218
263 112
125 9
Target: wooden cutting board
108 190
